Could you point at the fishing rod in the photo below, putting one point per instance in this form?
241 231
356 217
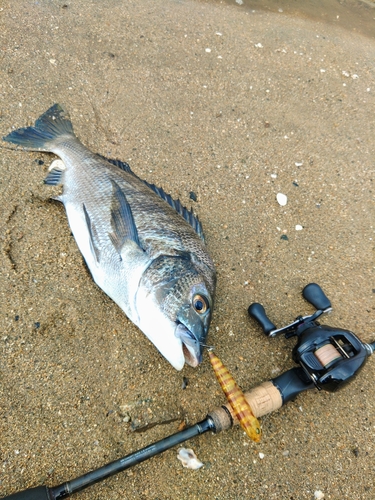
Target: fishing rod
328 358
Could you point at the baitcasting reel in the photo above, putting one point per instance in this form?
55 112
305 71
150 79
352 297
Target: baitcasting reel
328 357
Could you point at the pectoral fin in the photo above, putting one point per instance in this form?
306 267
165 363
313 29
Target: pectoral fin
93 235
122 220
188 215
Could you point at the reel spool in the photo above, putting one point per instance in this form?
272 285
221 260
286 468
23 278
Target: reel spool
327 354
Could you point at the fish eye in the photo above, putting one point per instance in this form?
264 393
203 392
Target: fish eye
200 304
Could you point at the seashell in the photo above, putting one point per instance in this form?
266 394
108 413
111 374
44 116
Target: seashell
189 459
318 495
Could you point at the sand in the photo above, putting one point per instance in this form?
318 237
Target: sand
234 104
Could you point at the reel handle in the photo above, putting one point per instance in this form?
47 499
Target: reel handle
315 295
257 312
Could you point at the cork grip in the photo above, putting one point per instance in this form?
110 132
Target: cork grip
262 399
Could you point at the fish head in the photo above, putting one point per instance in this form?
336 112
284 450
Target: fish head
174 306
193 321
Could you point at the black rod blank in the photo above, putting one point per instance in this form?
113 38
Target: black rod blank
66 489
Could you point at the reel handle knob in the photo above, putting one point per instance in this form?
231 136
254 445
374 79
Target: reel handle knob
315 295
257 312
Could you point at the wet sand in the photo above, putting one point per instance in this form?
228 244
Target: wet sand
235 106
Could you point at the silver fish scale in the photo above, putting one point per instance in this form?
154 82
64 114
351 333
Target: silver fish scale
161 229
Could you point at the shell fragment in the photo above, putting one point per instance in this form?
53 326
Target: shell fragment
189 459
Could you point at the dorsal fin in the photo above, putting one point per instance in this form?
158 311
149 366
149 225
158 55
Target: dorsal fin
188 215
118 163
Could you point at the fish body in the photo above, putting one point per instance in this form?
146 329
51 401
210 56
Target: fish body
236 399
143 249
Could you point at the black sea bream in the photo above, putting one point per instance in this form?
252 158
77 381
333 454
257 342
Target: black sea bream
143 248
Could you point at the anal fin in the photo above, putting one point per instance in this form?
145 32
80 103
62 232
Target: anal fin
55 175
54 178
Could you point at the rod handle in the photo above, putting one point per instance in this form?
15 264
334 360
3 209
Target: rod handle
257 312
263 399
315 295
38 493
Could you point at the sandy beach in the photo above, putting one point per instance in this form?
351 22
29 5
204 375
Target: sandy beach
234 104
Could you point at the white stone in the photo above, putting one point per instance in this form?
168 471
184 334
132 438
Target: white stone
282 199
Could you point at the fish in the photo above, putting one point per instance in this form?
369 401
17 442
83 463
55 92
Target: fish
236 398
143 248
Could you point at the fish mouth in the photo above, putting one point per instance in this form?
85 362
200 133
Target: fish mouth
191 347
190 357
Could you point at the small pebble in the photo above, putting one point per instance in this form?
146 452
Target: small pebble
282 199
261 456
318 495
299 227
185 383
284 237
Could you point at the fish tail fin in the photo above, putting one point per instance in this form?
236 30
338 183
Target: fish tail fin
51 125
